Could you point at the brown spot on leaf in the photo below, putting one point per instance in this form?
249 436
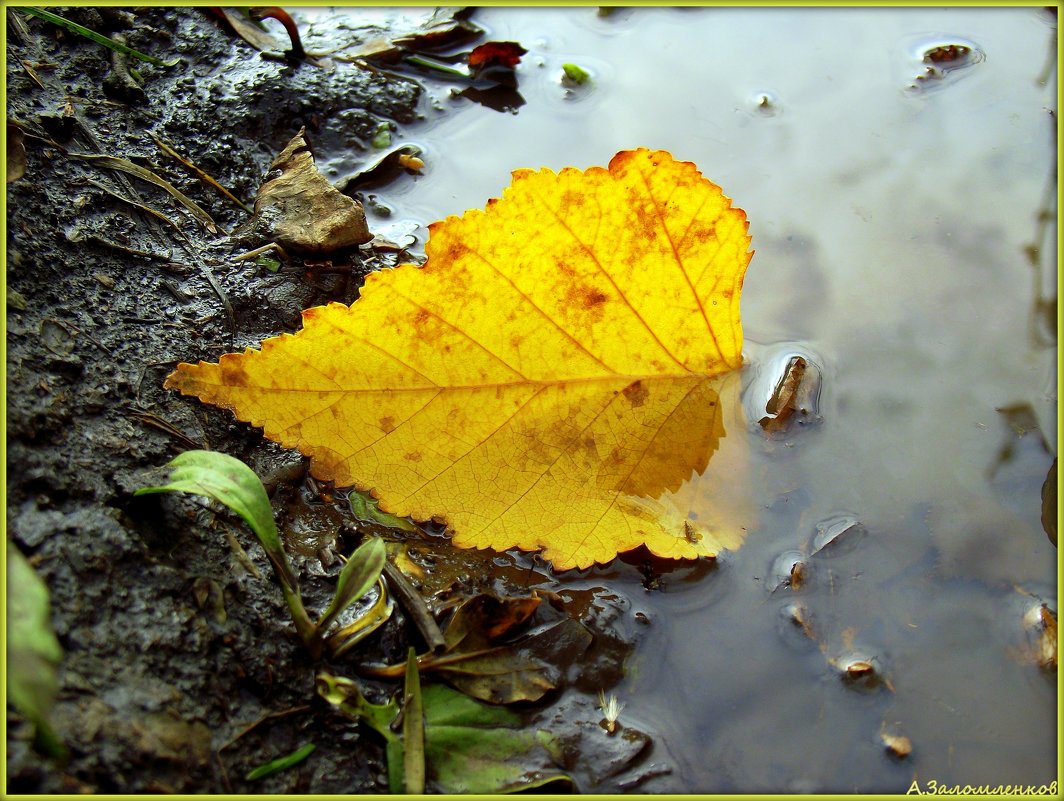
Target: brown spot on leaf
586 297
636 393
413 456
387 424
593 297
234 373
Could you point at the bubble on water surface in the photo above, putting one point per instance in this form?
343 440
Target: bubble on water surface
789 569
765 103
836 535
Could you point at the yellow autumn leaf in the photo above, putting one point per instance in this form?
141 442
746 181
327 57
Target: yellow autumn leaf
544 379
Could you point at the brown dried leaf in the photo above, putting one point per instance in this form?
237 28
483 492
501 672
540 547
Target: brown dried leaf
787 400
248 30
302 211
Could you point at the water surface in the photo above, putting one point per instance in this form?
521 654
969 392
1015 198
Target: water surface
891 218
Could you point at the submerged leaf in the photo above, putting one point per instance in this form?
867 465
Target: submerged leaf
484 618
501 673
365 508
474 748
541 382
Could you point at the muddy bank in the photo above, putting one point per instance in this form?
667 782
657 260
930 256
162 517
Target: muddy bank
173 649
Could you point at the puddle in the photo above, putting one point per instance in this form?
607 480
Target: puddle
890 229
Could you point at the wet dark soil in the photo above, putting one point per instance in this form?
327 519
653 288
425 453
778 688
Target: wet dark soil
159 687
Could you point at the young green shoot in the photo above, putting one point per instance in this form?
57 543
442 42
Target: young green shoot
234 484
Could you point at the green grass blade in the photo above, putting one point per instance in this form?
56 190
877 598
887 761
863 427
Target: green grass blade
99 38
281 763
413 729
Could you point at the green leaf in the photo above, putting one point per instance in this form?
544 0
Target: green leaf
232 483
501 673
413 729
73 27
470 747
364 507
281 763
33 651
576 74
383 136
268 263
359 575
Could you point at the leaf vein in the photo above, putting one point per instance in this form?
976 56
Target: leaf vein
595 260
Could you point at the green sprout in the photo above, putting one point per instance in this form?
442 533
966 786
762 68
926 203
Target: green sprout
232 483
383 137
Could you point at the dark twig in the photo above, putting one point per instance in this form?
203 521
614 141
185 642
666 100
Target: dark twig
414 605
297 53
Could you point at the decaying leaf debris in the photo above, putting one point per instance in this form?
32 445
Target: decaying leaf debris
301 211
795 397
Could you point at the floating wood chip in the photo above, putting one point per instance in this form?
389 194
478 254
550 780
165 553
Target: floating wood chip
1041 622
897 745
